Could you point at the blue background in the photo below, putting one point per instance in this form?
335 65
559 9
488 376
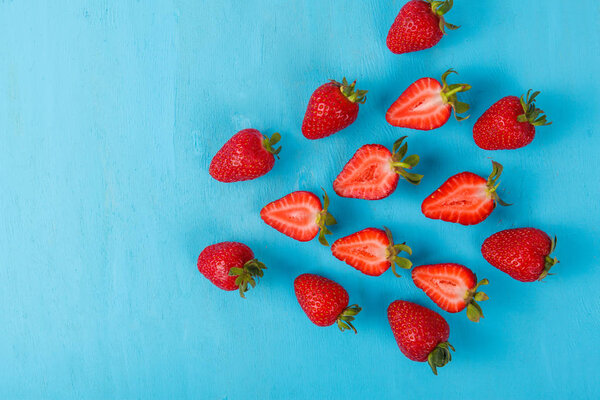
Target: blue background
110 112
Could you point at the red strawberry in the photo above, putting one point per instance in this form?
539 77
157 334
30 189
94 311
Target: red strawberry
230 266
247 155
465 198
373 172
371 251
421 334
453 287
300 216
509 123
428 104
331 108
419 26
523 253
325 301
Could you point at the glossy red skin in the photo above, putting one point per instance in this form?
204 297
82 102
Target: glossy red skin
498 128
520 252
431 207
430 279
415 28
242 158
417 330
328 112
353 186
322 299
216 260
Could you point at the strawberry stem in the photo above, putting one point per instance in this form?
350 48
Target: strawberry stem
550 261
323 219
245 275
449 95
355 96
440 356
400 164
532 114
392 252
345 319
474 312
439 8
268 144
492 184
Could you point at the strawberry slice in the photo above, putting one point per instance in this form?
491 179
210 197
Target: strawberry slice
465 198
453 287
373 171
371 251
427 104
300 216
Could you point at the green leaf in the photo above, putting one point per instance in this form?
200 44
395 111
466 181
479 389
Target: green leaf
330 220
276 137
415 179
474 312
403 247
402 262
236 271
397 144
412 160
481 296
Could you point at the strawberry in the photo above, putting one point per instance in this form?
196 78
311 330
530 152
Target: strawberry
300 216
523 253
230 266
421 334
325 302
509 123
418 26
373 172
331 108
453 287
427 104
371 251
247 155
464 198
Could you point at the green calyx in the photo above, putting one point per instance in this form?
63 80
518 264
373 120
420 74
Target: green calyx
355 96
440 356
400 164
440 8
550 261
449 95
474 312
492 184
324 219
269 143
392 251
246 275
532 114
344 321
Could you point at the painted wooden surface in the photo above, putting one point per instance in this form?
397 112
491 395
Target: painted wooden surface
110 112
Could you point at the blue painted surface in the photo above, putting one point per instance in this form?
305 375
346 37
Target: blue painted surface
110 112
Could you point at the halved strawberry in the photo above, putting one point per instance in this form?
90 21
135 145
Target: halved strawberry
300 216
371 251
465 198
373 171
427 104
452 287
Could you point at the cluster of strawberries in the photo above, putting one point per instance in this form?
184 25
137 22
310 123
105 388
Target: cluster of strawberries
373 173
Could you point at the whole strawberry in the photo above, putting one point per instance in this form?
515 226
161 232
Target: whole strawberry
419 26
523 253
453 287
230 266
331 108
373 172
247 155
324 301
509 123
421 334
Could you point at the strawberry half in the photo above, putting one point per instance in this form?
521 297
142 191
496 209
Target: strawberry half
421 333
453 287
509 123
247 155
300 216
325 302
427 104
331 108
523 253
465 198
373 171
419 26
371 251
230 266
